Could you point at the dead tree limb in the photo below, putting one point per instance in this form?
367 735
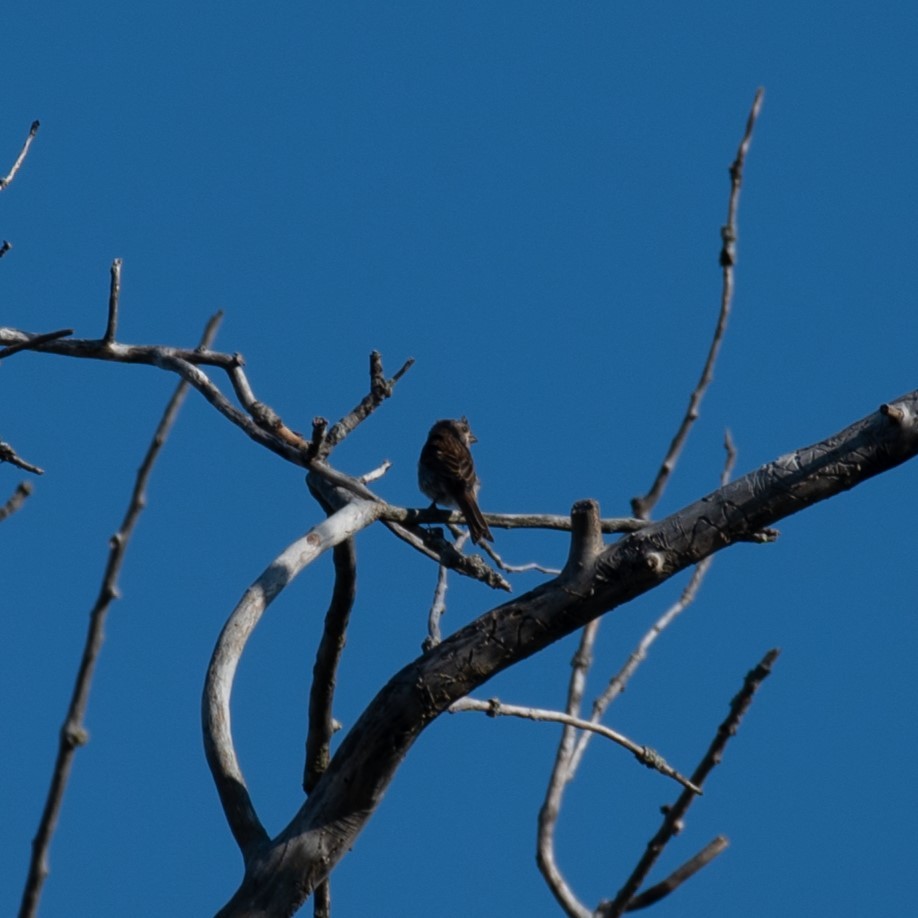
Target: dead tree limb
280 873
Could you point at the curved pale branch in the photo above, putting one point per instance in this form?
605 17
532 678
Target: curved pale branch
215 703
282 874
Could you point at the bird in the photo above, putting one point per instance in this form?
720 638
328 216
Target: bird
446 473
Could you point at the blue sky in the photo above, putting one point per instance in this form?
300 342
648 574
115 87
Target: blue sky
526 198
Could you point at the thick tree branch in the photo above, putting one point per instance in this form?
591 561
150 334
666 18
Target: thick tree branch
283 872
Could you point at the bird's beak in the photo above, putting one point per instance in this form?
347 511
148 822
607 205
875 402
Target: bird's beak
472 438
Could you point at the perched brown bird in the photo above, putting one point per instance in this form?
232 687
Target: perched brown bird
446 473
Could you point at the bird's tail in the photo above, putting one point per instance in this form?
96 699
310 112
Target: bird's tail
478 528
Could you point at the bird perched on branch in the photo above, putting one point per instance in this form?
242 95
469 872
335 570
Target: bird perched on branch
446 473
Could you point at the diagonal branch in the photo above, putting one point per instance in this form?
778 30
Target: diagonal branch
16 500
73 732
4 181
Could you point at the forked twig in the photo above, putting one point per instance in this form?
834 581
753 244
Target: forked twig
642 506
380 389
662 889
674 815
73 733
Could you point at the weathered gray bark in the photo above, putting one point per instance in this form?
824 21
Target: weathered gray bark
283 871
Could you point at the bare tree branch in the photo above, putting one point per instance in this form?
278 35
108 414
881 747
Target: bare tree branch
22 155
380 389
221 756
642 506
704 857
494 707
281 873
16 500
672 820
73 733
8 454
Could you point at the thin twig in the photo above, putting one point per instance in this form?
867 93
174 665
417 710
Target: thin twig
114 293
73 733
17 499
22 155
8 454
493 707
642 506
675 814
